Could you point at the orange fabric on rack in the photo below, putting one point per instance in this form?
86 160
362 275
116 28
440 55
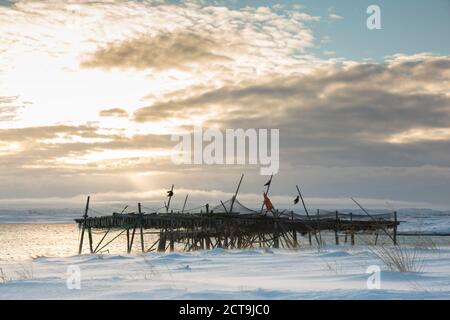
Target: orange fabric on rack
267 202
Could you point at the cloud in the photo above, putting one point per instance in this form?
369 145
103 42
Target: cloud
333 16
174 50
153 49
84 147
347 128
9 107
114 112
342 116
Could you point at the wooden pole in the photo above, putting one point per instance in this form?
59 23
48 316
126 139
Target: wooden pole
267 191
352 235
128 240
294 236
384 230
208 242
91 249
307 214
318 227
294 232
80 249
171 243
170 198
336 235
276 241
395 227
132 240
303 202
141 218
162 242
235 194
171 238
184 204
101 241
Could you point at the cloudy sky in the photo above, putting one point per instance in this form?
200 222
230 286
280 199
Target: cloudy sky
91 91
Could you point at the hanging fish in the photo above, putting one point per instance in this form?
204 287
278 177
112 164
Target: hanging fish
267 202
296 199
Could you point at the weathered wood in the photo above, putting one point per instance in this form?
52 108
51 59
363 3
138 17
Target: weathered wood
379 225
230 230
91 249
395 228
336 229
352 233
101 241
162 242
236 193
128 240
184 204
170 198
141 227
132 239
307 214
80 249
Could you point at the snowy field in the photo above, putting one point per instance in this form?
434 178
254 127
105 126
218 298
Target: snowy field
332 273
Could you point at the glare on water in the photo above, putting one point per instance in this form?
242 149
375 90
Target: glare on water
27 241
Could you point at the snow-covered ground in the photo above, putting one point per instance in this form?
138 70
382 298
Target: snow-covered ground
336 272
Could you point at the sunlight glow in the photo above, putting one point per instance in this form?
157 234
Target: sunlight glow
422 134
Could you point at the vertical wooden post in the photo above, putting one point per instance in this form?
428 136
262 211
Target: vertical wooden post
162 242
336 230
170 198
80 250
318 227
128 240
171 243
91 249
276 240
395 227
208 242
352 235
294 232
141 217
171 237
202 243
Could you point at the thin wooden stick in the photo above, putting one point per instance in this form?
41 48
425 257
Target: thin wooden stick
381 227
84 225
235 195
184 204
307 214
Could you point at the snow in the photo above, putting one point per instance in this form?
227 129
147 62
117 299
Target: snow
335 272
